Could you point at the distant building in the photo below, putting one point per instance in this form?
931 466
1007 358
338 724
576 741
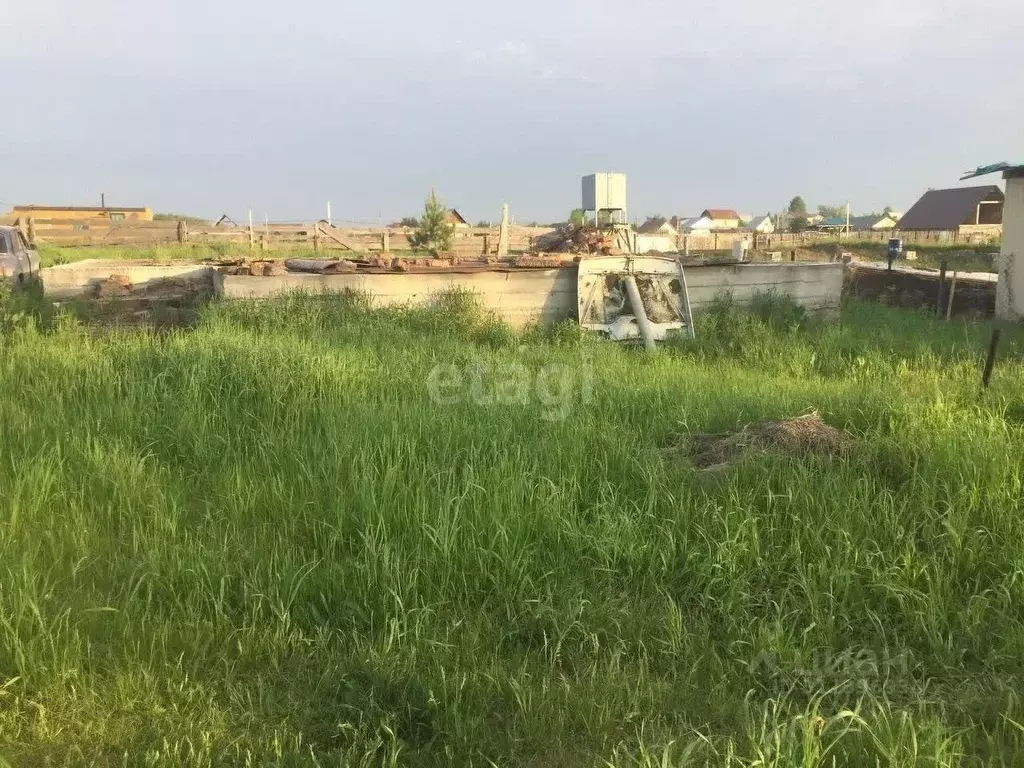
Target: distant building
722 218
456 219
112 213
697 224
961 209
762 224
654 228
858 223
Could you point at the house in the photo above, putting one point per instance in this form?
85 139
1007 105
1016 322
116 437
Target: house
722 218
456 219
77 212
653 227
762 224
874 223
858 223
655 236
960 209
697 225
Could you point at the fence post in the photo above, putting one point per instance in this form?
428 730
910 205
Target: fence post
316 236
252 236
385 241
182 232
31 232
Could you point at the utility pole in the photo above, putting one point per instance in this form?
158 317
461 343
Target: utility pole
103 200
329 214
847 217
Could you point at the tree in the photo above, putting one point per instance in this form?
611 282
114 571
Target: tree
434 232
832 211
483 224
797 214
887 211
408 221
576 217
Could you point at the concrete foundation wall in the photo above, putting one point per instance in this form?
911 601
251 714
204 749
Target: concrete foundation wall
68 280
817 287
518 297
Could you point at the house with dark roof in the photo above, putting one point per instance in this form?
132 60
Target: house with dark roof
722 218
961 209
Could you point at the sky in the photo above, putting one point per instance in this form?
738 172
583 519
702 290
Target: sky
205 108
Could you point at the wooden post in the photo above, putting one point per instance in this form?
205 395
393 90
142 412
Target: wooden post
686 245
31 232
252 236
182 232
316 235
385 241
949 302
990 361
941 289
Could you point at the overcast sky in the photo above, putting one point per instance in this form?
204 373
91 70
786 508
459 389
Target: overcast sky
210 107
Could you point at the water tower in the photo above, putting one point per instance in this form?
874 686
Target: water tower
605 195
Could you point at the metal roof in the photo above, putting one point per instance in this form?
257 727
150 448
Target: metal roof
985 170
948 208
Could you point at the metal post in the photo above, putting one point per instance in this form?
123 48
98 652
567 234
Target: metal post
646 332
990 361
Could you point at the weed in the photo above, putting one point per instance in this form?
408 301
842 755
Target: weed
263 541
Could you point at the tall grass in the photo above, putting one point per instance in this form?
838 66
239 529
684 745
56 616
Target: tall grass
264 542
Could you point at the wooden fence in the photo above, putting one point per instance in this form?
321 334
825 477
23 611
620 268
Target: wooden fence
467 242
318 236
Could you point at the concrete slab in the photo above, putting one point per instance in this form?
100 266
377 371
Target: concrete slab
75 279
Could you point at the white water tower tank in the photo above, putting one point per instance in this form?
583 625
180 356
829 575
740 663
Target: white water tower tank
605 192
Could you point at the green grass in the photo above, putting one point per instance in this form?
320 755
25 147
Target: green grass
264 542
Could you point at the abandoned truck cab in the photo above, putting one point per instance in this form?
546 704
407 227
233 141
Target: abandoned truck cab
18 262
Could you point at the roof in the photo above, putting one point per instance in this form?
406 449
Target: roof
948 208
759 221
867 222
653 227
454 214
691 222
984 170
84 209
720 213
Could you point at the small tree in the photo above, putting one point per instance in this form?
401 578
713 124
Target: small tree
482 224
577 217
832 211
797 214
434 233
409 221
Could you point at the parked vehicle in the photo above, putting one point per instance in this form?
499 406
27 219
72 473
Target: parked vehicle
18 261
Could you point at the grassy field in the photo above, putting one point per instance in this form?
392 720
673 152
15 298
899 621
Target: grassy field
308 533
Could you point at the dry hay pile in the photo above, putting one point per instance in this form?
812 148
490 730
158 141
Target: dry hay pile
801 436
